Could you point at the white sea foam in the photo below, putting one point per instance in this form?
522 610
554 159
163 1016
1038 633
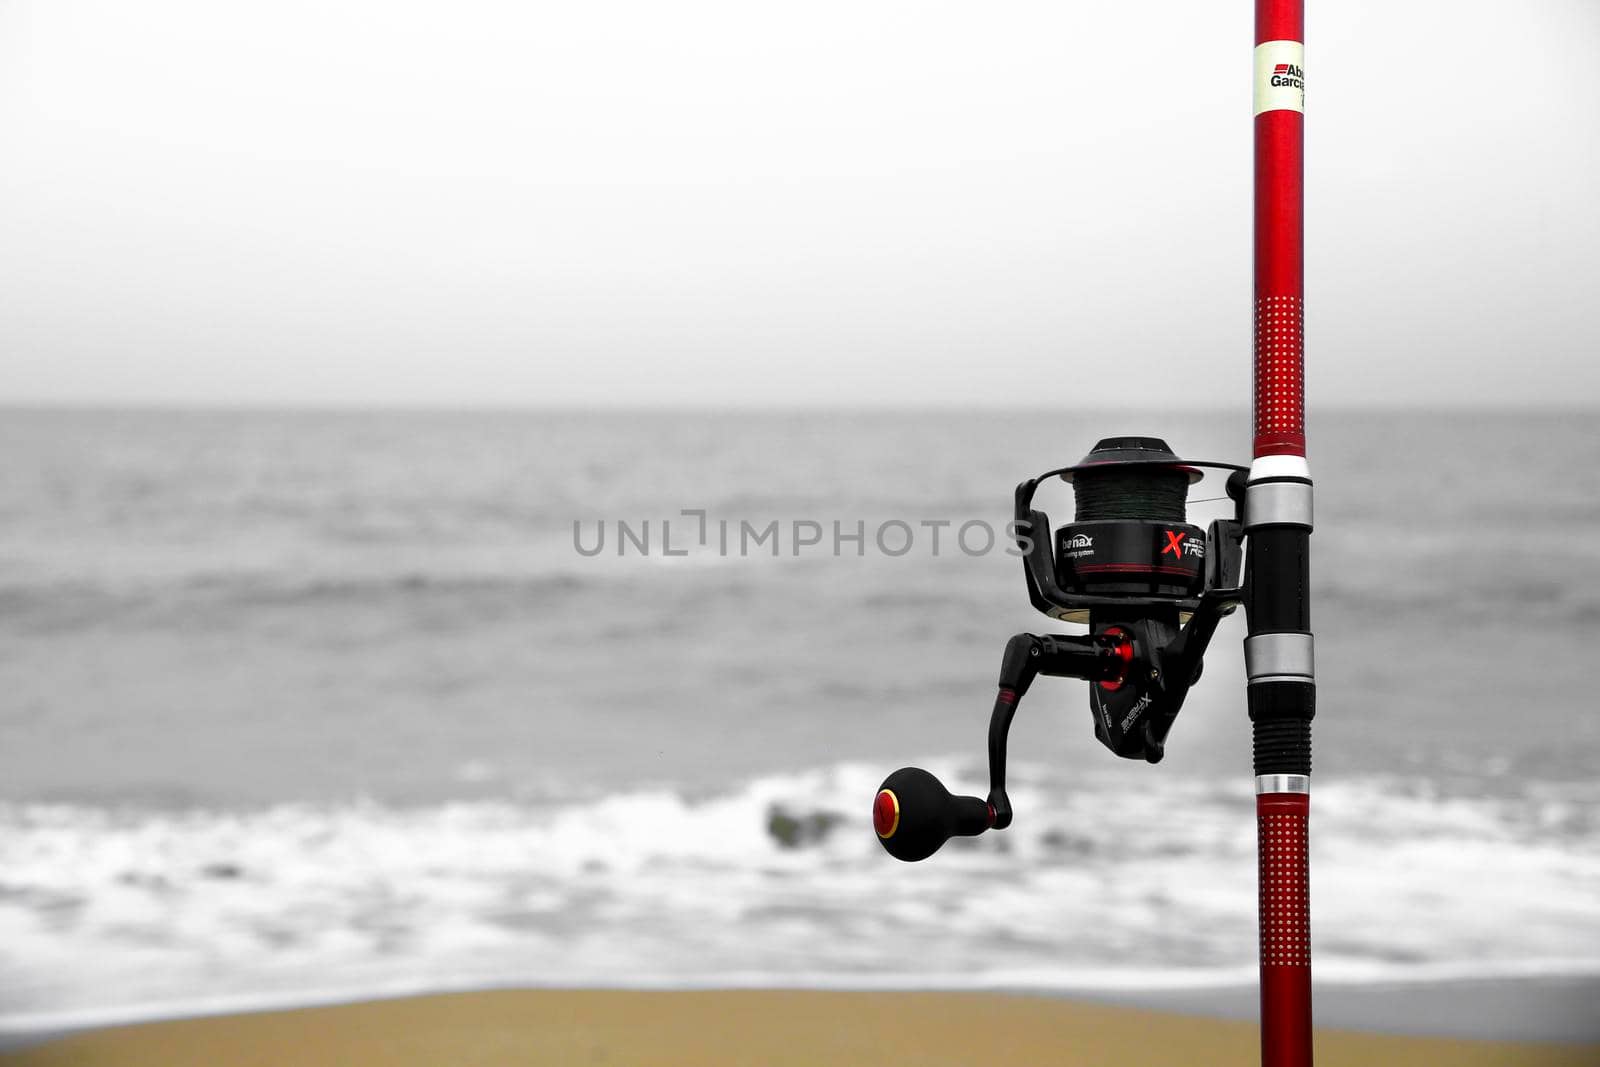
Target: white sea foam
116 913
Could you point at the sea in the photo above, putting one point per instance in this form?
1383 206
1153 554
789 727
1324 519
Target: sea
301 706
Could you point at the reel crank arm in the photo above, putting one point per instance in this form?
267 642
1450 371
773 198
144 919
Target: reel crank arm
914 814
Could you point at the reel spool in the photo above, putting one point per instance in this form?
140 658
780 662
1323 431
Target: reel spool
1129 535
1130 544
1150 586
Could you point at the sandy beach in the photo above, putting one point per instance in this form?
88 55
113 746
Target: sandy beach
769 1027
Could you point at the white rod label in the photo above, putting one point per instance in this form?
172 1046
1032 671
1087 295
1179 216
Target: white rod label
1280 76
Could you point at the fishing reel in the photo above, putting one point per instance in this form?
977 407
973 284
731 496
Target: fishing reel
1151 588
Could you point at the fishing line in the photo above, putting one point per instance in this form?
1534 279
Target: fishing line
1140 493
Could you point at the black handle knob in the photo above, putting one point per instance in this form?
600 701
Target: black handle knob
914 814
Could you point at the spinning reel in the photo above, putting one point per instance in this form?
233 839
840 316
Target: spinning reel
1151 588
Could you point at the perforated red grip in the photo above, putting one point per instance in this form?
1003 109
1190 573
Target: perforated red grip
1280 428
1279 257
1281 823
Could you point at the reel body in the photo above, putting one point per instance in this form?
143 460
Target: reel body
1150 586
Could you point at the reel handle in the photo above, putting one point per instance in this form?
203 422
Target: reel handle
914 814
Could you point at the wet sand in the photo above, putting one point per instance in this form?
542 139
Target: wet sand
759 1027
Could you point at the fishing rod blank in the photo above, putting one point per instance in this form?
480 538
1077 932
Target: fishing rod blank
1278 651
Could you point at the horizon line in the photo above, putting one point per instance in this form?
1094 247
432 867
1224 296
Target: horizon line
349 408
253 408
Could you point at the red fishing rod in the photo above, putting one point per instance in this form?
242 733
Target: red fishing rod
1152 587
1277 519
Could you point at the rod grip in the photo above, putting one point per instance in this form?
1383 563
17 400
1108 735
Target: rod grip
1281 823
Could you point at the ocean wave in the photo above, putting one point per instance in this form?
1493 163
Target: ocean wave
776 882
69 603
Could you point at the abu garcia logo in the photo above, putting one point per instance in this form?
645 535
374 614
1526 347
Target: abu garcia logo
1288 76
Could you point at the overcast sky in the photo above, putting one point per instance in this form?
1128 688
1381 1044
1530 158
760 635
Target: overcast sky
746 203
